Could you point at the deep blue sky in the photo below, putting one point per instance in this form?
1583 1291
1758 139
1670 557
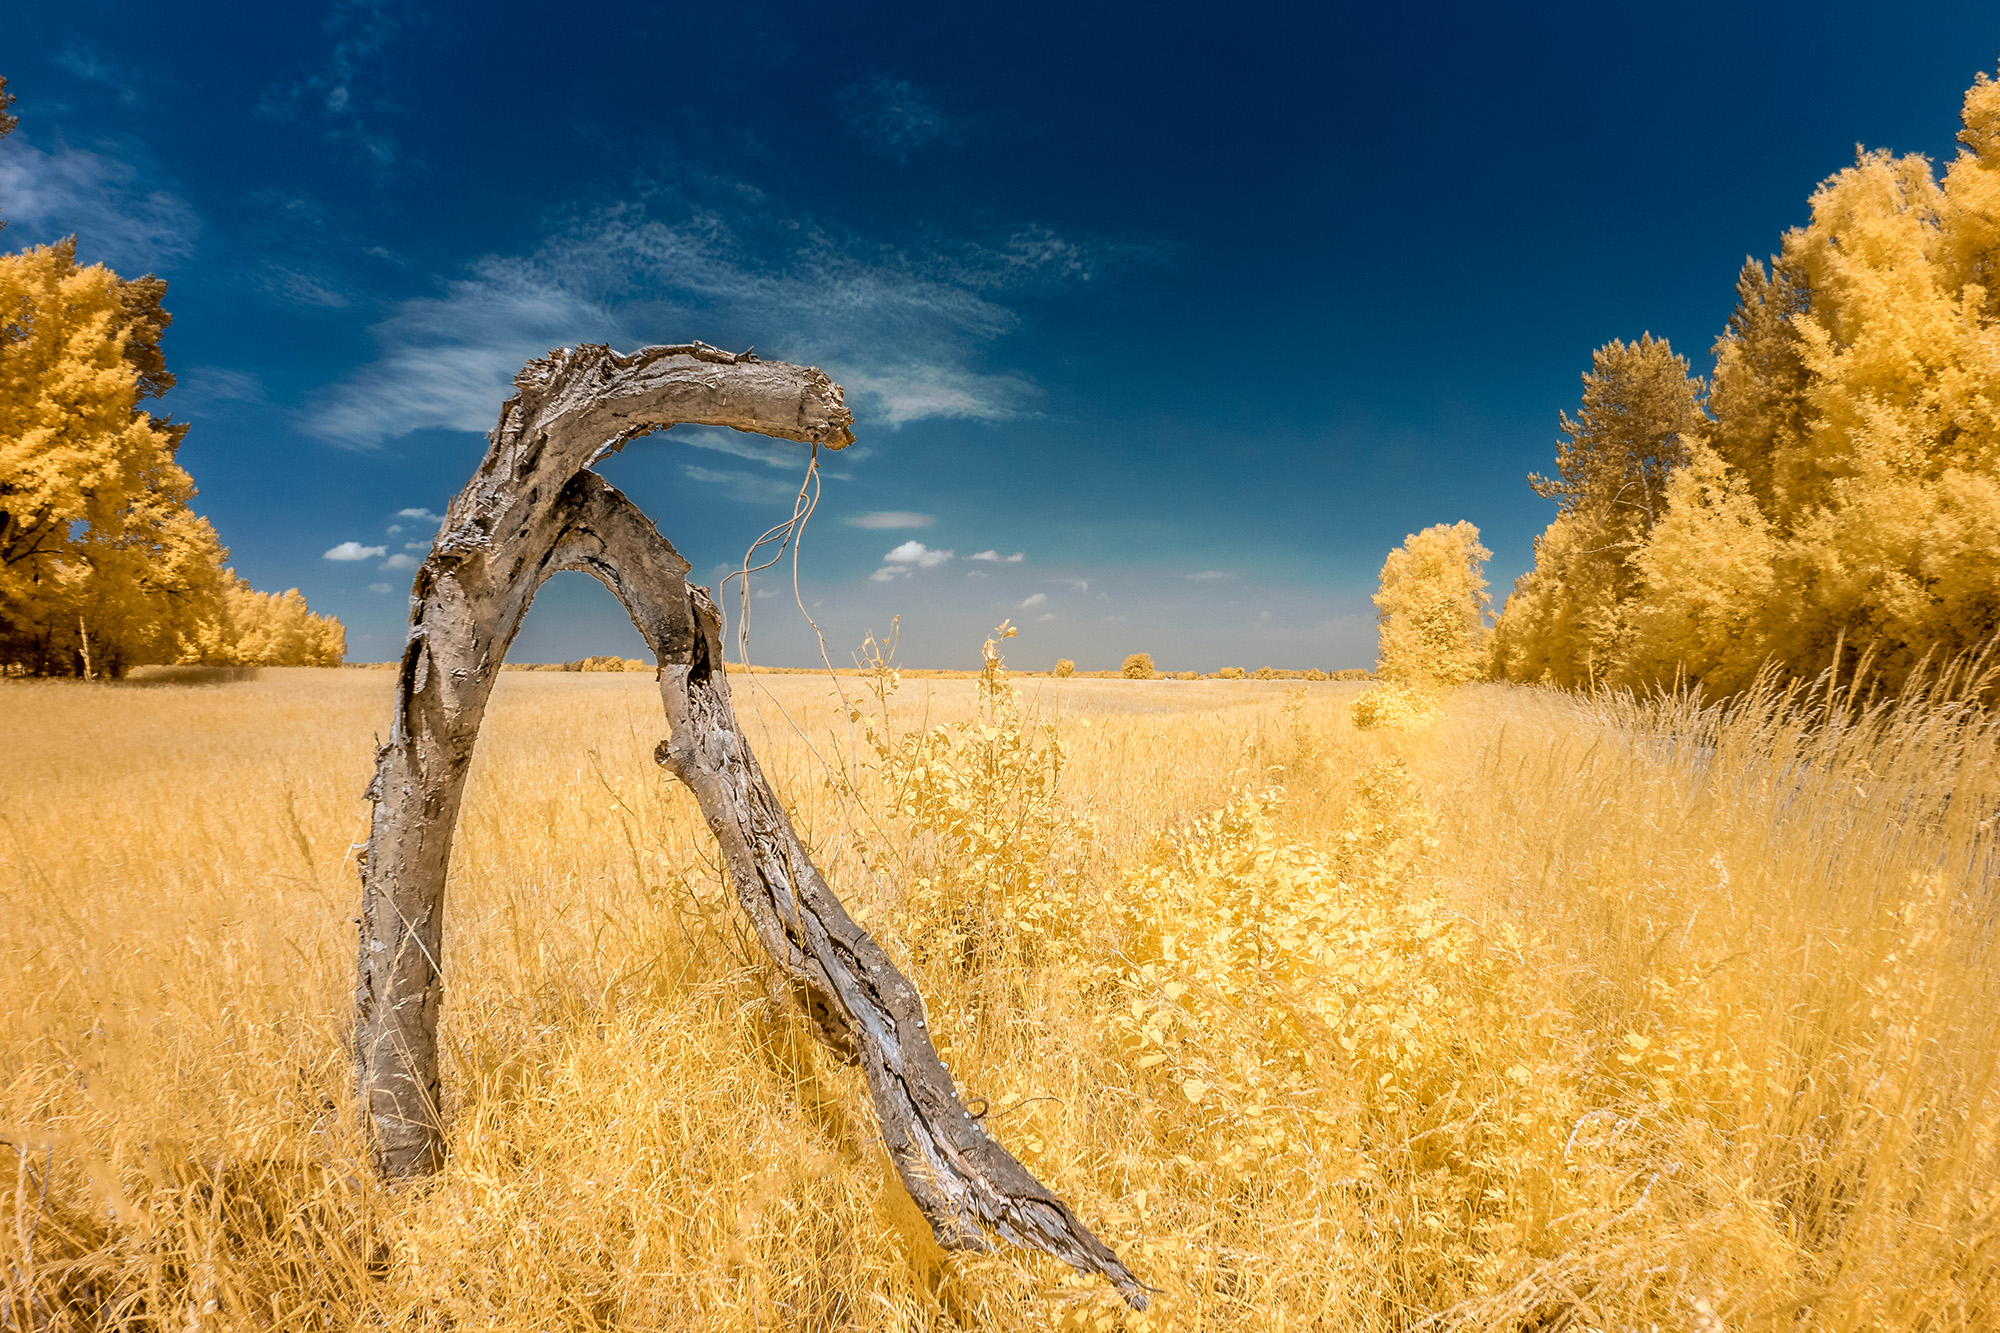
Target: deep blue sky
1200 310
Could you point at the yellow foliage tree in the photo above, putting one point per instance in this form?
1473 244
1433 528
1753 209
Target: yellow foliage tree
1705 584
1846 492
254 628
1432 606
103 566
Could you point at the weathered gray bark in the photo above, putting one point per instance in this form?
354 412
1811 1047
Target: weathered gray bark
534 508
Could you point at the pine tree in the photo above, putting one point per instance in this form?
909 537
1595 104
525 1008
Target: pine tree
1758 390
1640 414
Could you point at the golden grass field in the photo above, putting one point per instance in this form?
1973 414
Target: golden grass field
1552 1014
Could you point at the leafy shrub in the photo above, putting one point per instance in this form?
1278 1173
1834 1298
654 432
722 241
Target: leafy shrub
1065 667
1139 666
993 854
1395 707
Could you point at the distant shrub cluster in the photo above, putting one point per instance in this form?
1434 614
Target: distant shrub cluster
1835 489
585 664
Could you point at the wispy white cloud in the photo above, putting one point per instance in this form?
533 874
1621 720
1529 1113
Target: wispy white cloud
1208 575
420 513
892 116
744 486
1080 585
1013 559
381 587
901 331
117 213
400 561
356 551
781 454
87 62
894 518
1034 600
200 391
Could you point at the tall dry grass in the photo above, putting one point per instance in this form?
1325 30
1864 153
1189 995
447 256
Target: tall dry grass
1553 1014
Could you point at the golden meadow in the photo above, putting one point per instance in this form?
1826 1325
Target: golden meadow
1554 1012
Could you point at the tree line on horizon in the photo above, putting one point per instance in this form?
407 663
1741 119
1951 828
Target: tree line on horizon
1831 494
103 564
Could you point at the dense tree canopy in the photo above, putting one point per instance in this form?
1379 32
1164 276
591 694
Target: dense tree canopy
103 565
1838 489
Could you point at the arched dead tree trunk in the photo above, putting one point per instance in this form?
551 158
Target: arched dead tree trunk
535 508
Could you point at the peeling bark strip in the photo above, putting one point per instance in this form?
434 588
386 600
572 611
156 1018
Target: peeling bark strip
534 508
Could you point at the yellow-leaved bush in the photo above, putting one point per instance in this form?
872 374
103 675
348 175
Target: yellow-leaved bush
992 855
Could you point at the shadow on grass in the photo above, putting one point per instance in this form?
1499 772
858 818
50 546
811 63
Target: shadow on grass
151 677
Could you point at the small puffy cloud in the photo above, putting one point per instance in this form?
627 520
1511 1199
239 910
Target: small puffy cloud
911 555
356 551
416 546
424 514
1013 559
1034 601
395 529
916 553
400 561
1046 615
1080 585
381 587
1207 575
893 518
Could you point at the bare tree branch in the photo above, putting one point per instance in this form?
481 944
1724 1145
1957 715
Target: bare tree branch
531 510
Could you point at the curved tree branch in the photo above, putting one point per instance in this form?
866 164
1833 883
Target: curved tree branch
533 509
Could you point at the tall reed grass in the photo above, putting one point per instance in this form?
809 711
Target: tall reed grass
1556 1013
